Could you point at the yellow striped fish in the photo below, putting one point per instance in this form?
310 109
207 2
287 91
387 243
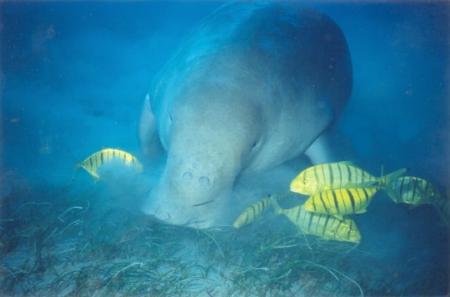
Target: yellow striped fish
92 163
341 201
412 190
251 213
337 175
327 227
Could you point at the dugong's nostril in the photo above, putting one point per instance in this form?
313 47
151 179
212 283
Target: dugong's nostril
204 181
187 175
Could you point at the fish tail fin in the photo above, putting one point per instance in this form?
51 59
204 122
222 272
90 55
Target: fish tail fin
275 206
443 214
442 206
391 193
386 183
387 179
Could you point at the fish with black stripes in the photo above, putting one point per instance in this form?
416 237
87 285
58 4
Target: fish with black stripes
92 163
341 201
251 213
325 226
417 191
412 190
338 175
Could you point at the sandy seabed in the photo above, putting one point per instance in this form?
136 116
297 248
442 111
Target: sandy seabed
63 241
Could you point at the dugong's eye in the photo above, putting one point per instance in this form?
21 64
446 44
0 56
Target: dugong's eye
255 145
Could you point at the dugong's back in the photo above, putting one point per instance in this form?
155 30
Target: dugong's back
285 44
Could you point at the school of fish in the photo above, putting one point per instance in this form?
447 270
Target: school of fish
337 190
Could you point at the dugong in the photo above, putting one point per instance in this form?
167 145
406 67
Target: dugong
253 86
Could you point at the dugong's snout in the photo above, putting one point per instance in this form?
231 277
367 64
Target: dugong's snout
200 215
189 198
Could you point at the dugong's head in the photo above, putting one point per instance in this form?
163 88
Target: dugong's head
209 141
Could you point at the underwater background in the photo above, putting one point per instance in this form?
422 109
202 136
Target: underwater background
73 79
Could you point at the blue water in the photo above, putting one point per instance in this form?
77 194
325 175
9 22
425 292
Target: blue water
74 76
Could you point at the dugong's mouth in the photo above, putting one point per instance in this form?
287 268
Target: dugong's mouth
202 215
169 218
191 223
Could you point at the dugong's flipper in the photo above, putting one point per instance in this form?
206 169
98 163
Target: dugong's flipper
329 147
149 139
